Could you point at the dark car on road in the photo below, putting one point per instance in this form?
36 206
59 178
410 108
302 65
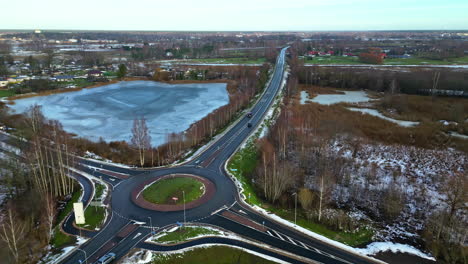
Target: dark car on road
249 114
249 125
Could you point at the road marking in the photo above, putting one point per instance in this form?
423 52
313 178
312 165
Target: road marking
137 235
292 241
220 209
278 235
270 233
304 245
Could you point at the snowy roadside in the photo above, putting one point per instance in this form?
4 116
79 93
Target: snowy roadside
145 256
56 258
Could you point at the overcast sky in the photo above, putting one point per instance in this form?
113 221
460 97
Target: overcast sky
234 15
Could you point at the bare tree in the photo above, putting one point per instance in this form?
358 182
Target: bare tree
141 138
12 233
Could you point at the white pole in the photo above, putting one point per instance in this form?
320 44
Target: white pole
85 256
183 193
295 208
151 224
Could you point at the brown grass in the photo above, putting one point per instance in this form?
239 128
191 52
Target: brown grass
424 108
336 119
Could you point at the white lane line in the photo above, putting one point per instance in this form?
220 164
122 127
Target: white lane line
137 235
292 241
278 235
270 233
303 245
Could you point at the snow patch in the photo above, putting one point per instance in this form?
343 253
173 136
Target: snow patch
376 247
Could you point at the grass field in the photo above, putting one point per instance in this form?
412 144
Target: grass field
162 192
61 239
94 217
184 234
406 61
6 93
98 191
69 206
211 255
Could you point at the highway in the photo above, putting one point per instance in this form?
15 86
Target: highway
226 201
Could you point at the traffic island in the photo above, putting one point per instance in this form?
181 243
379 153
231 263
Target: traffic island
167 193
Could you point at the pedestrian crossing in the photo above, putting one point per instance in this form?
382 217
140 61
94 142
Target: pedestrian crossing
283 237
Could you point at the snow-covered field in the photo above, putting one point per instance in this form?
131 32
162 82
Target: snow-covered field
109 111
419 175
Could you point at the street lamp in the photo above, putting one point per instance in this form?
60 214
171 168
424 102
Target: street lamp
85 256
183 194
151 224
295 207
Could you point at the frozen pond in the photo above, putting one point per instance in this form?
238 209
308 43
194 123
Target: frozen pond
108 111
328 99
374 112
458 135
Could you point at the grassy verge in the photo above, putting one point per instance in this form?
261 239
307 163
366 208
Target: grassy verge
99 189
211 255
69 206
6 93
162 192
184 234
94 217
60 239
356 238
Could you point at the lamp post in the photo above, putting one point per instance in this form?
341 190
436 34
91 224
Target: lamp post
85 256
295 207
151 223
183 194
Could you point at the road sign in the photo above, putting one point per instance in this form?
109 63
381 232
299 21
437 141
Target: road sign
179 224
175 198
79 213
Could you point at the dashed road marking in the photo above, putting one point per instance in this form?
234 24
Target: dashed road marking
278 235
292 241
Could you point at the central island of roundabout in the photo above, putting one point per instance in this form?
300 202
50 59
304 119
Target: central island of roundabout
172 192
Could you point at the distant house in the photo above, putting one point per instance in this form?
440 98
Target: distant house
3 82
64 78
169 54
18 79
94 73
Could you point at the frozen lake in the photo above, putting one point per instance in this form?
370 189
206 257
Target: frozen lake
108 111
329 99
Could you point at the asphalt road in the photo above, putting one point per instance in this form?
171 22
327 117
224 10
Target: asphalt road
208 164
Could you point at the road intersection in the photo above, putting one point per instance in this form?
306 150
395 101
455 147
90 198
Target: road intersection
129 225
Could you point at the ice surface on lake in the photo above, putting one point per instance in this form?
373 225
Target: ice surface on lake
374 112
108 111
458 135
328 99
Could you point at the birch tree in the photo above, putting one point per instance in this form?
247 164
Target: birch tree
141 138
12 232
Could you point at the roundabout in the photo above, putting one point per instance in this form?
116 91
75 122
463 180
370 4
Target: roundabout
172 192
